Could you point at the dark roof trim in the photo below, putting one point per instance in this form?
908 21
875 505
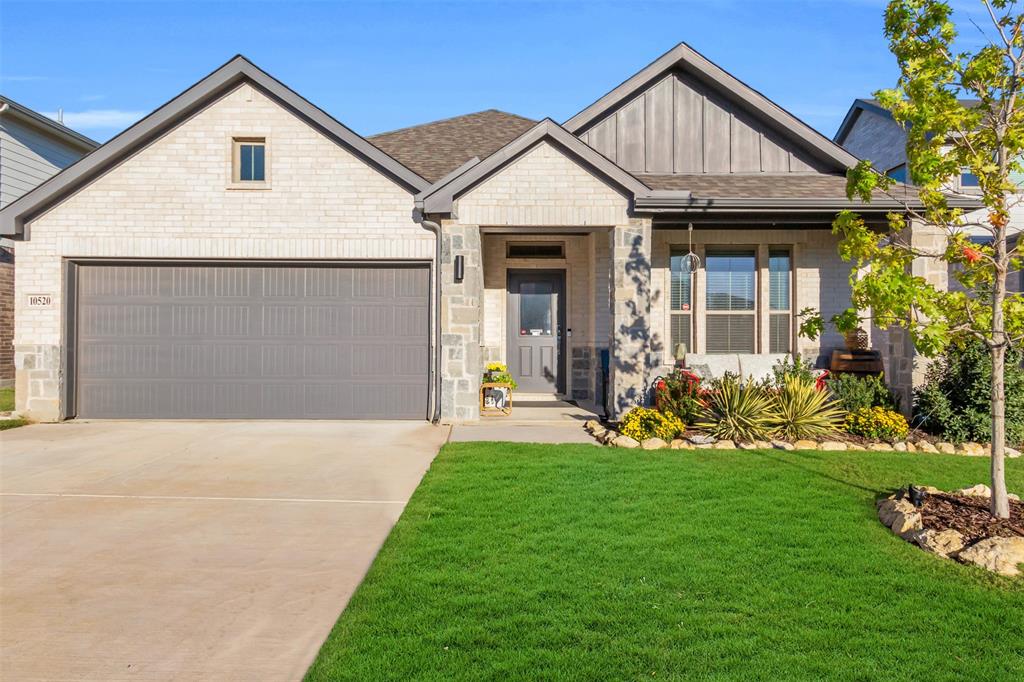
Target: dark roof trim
684 56
439 199
672 202
9 107
232 74
858 106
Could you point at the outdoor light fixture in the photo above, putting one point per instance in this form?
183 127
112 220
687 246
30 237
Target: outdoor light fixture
460 268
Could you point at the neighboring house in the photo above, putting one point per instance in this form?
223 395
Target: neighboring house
240 254
869 132
32 148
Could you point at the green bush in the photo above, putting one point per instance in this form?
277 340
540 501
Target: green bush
737 412
854 392
878 423
642 423
802 411
956 400
791 367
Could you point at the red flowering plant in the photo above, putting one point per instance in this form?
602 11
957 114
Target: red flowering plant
679 394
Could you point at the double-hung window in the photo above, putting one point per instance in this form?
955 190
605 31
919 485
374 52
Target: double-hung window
780 321
681 303
730 322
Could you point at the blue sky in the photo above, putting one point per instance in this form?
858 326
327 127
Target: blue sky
385 65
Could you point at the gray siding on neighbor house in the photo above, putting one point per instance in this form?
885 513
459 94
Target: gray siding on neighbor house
28 157
680 125
877 138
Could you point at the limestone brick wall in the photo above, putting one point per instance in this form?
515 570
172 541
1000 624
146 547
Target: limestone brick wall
174 199
543 187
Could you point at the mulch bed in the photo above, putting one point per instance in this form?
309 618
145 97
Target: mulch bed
970 516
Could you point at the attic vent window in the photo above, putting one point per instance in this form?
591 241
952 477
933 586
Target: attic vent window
250 159
535 250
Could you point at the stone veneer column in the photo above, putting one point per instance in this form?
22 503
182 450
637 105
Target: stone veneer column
631 343
905 367
37 381
461 309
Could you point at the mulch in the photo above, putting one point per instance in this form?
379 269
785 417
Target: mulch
970 516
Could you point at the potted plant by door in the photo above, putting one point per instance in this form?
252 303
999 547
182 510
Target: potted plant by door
496 389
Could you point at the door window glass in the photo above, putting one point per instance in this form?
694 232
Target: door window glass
535 309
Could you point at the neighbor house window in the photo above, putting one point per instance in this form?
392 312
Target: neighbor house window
250 160
681 303
779 301
968 179
730 319
899 173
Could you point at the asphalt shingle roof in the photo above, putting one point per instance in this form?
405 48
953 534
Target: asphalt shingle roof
756 185
435 149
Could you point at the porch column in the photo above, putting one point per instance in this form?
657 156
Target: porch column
630 343
904 367
460 318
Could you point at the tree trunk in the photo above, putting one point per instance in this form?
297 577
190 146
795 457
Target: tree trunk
1000 502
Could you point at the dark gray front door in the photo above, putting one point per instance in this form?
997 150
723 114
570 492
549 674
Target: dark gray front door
536 324
245 341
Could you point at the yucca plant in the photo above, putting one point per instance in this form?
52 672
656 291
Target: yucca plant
802 411
737 412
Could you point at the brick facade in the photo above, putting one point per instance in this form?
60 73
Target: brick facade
6 318
172 200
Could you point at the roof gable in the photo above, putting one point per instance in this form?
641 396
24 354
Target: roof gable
682 89
439 199
235 72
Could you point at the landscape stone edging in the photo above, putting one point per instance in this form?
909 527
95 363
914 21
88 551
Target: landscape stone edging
607 436
1001 555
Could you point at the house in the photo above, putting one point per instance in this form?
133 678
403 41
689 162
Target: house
32 148
869 132
239 253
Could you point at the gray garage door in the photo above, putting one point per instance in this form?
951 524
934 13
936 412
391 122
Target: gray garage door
251 341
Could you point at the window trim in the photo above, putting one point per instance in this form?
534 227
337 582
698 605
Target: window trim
234 166
716 249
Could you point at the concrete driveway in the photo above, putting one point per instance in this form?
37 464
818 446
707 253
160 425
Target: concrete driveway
191 550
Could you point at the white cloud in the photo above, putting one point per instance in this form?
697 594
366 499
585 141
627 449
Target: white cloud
98 118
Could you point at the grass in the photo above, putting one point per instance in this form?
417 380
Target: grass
6 399
580 563
6 424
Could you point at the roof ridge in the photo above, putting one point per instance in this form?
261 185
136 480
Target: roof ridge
450 118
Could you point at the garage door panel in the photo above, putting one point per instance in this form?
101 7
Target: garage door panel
252 341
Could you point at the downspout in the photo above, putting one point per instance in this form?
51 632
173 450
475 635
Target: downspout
436 229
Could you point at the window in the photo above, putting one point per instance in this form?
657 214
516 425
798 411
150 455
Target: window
535 309
968 179
899 173
681 293
730 321
535 250
779 298
249 160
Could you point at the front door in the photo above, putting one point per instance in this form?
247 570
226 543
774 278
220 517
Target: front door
536 321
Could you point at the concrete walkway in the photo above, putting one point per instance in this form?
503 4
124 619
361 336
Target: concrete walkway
191 551
534 419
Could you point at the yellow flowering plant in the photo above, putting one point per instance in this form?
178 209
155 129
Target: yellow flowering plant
497 372
642 423
878 423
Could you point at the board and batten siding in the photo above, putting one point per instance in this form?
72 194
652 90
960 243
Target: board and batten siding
679 125
28 157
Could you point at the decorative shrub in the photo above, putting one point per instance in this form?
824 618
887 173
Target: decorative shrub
878 423
679 394
854 392
642 423
793 367
802 411
737 412
497 372
956 400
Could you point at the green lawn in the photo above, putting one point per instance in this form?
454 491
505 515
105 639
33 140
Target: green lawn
583 563
6 399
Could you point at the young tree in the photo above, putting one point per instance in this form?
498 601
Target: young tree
946 136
